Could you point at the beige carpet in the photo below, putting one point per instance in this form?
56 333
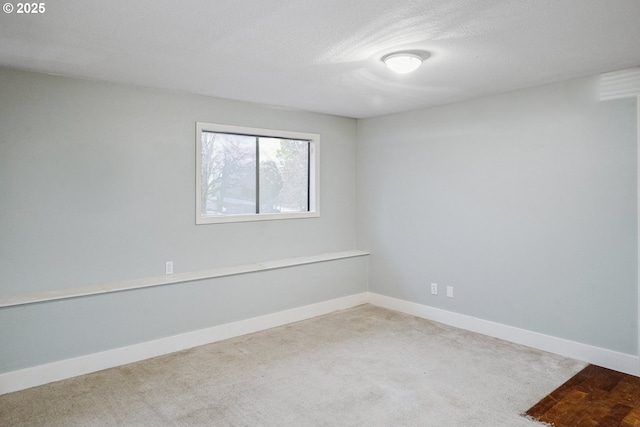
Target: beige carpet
364 366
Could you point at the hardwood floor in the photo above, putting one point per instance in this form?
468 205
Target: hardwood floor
595 396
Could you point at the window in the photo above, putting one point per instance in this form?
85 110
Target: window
247 174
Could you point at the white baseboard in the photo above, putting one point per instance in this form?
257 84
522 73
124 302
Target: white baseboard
68 368
598 356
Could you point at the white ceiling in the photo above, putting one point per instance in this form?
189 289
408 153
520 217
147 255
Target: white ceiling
324 55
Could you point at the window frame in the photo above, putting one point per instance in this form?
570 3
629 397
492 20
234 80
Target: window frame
314 173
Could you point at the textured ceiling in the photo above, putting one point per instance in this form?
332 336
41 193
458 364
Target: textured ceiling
324 55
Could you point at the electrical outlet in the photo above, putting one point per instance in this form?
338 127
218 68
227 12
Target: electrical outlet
450 291
168 267
434 289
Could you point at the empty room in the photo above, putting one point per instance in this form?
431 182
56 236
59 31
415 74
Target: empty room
319 213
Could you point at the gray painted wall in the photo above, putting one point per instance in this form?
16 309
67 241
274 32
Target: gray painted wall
97 184
524 202
35 334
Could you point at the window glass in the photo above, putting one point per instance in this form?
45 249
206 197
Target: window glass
247 174
284 175
228 174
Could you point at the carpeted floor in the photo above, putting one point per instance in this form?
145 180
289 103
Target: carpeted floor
365 366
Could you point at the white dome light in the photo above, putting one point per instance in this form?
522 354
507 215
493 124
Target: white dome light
401 62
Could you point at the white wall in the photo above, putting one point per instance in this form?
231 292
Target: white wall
525 202
97 185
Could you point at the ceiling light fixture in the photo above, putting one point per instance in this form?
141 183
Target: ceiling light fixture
404 62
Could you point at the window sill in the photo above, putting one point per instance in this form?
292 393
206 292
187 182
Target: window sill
222 219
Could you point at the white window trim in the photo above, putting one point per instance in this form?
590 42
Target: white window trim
314 172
